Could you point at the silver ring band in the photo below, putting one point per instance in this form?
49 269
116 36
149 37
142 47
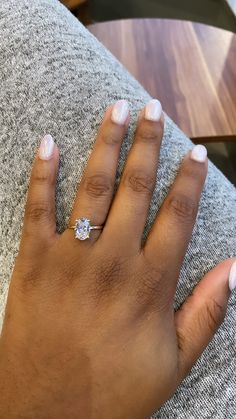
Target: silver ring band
91 227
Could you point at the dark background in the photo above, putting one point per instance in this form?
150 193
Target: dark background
212 12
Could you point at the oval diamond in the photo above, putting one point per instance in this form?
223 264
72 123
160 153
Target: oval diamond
82 228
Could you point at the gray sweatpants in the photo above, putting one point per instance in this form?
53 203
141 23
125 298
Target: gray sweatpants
57 78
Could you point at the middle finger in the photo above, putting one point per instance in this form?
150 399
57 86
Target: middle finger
127 216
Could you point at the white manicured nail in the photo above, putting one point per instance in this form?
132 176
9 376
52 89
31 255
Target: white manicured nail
120 112
153 110
232 277
46 147
199 153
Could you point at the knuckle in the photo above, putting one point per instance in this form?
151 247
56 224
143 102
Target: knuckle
181 339
139 181
40 176
148 133
36 211
189 171
98 185
151 292
193 173
110 137
68 272
214 314
28 277
30 280
109 271
185 345
182 206
108 276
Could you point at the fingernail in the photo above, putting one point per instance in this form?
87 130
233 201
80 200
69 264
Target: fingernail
232 277
199 153
46 147
153 110
120 112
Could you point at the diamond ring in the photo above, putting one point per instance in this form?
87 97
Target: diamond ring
83 227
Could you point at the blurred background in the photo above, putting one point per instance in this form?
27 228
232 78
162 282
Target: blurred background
184 53
212 12
220 13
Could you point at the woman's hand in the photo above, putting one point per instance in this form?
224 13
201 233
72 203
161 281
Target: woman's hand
90 330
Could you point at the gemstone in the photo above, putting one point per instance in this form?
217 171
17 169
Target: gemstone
82 228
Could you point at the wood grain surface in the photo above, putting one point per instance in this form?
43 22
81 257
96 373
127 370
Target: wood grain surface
189 67
71 4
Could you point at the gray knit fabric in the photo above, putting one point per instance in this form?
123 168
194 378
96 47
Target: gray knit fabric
57 78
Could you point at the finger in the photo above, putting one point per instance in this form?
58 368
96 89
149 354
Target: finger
129 210
39 219
97 185
169 237
202 313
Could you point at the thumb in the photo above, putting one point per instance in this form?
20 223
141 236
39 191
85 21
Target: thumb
202 313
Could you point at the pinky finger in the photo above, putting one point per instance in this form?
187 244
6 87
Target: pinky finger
39 219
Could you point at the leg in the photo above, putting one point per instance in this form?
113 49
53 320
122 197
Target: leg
55 77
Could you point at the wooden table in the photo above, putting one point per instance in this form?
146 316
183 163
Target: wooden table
190 67
71 4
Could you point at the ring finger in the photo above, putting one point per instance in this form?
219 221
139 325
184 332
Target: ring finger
96 187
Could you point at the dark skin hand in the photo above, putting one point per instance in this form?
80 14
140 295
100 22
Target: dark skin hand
90 330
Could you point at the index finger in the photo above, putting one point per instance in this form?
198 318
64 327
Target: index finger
39 218
169 237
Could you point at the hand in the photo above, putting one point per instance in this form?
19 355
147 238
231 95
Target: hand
90 330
